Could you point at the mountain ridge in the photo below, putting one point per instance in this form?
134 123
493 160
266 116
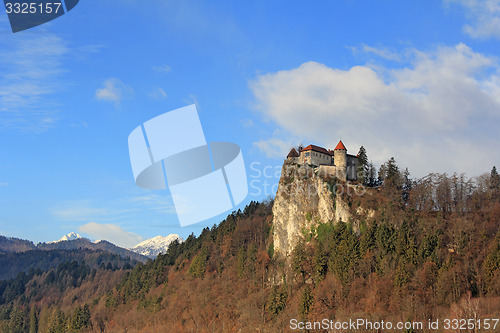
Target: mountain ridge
16 245
152 247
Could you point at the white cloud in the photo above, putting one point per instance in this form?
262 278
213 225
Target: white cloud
484 16
111 232
31 67
439 114
277 146
158 93
162 68
382 52
114 90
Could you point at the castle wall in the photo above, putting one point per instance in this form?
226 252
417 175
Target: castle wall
352 166
315 158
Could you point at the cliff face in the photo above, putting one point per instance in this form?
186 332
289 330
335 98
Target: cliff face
304 199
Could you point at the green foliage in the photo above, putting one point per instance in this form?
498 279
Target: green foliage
80 318
270 249
151 304
323 230
299 258
368 240
241 261
362 169
320 263
494 179
251 259
199 264
57 322
33 320
246 261
111 300
276 302
491 265
17 323
306 301
344 253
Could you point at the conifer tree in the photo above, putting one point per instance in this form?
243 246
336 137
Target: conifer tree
306 301
33 320
407 185
362 169
494 179
371 179
16 324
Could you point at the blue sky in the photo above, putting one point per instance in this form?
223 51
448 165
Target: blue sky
417 80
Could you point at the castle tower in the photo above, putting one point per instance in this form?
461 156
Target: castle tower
340 160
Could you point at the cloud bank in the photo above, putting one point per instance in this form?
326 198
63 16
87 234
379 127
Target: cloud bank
484 16
440 113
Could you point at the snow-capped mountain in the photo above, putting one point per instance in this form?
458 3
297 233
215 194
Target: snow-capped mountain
68 237
154 246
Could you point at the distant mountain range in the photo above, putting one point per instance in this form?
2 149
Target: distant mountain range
152 247
71 241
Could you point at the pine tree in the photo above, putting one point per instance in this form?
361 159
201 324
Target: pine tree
199 264
241 260
362 169
407 185
85 316
371 179
382 174
491 265
277 300
57 322
494 179
392 172
306 301
320 263
33 320
16 324
299 257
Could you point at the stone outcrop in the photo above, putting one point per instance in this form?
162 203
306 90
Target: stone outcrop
303 200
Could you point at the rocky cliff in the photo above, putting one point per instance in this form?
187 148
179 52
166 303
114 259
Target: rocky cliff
303 200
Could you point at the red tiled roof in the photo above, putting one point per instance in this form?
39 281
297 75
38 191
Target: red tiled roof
293 153
340 146
316 148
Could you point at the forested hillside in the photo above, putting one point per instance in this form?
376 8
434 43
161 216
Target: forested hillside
11 264
430 250
9 244
55 279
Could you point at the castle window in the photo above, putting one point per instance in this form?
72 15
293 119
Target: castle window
307 154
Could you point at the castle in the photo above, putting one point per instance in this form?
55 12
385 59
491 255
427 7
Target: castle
329 162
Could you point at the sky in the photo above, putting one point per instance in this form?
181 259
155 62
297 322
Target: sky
416 80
